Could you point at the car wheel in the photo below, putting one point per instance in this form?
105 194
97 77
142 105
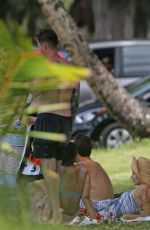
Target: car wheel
114 136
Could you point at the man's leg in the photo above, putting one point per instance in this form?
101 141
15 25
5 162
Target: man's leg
46 151
52 185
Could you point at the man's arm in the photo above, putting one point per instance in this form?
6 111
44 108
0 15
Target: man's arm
86 197
31 118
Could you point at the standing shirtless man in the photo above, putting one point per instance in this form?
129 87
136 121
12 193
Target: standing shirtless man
58 121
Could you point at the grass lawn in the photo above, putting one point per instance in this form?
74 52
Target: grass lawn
117 164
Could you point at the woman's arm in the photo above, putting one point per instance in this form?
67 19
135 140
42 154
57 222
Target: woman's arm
86 197
142 197
145 196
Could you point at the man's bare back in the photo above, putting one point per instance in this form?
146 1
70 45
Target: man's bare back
71 188
50 97
101 187
55 97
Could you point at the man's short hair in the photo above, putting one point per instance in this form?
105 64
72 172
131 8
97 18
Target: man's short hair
83 145
49 36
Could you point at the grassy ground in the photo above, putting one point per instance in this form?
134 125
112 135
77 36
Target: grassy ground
117 164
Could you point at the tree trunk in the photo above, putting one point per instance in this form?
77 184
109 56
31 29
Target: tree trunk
102 19
113 21
128 15
148 30
128 111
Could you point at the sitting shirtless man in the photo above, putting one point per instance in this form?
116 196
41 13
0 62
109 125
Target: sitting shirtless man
101 187
58 121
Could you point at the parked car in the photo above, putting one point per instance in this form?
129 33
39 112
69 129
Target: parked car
129 60
94 120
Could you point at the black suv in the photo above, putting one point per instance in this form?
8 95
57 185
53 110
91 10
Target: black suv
94 120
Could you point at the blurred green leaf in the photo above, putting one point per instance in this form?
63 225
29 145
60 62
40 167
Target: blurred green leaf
43 108
48 136
6 147
33 66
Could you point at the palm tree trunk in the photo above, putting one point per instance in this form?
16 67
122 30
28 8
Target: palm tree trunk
128 111
107 25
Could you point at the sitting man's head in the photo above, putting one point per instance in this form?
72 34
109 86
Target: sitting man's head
141 171
83 145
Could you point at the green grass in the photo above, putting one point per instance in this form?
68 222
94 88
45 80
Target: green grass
117 164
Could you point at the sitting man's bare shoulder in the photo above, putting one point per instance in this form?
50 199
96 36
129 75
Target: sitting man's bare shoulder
81 166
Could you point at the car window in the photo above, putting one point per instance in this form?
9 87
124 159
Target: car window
136 60
87 95
107 56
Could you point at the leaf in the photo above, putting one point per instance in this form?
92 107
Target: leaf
48 136
6 147
6 39
36 66
44 108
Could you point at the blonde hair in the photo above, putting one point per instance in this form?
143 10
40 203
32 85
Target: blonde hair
141 166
